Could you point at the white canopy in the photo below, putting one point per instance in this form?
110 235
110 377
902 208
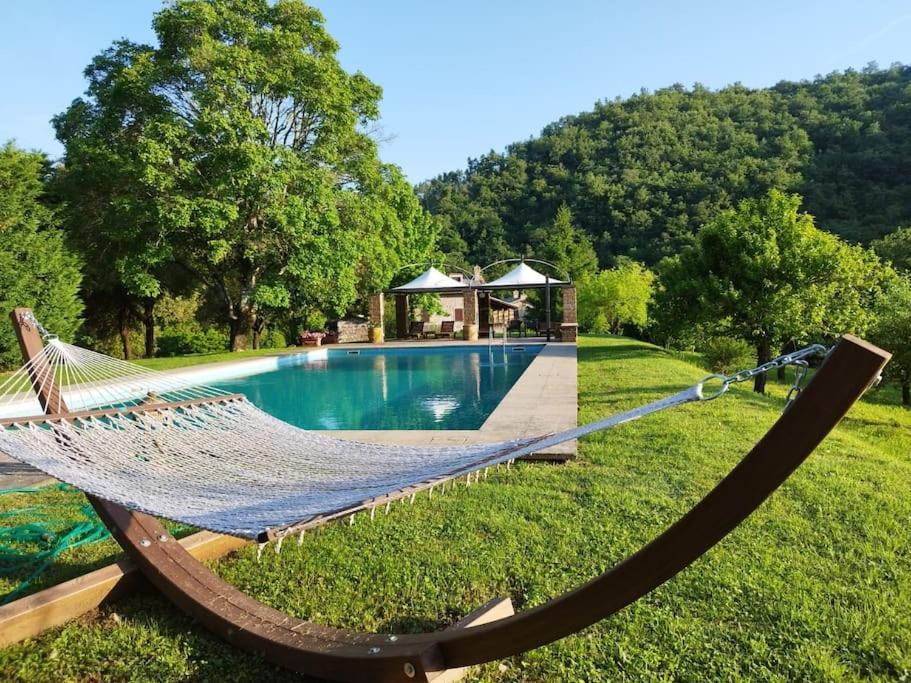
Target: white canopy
520 277
430 280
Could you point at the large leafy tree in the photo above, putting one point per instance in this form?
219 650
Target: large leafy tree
238 149
892 331
764 273
615 298
896 248
36 268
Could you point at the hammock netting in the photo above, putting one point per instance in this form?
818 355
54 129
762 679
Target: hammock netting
162 444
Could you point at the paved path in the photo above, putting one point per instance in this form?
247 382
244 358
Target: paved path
14 474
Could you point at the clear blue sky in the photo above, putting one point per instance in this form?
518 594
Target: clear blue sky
462 78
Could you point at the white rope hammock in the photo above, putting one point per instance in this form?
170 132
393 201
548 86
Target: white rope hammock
215 460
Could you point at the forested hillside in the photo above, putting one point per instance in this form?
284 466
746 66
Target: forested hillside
640 175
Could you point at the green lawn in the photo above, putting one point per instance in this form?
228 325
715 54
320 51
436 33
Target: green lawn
815 586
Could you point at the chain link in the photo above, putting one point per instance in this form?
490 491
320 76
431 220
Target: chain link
29 318
798 358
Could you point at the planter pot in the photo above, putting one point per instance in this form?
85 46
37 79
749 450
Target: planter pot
376 335
470 332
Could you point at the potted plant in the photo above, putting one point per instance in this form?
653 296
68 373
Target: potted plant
311 338
376 334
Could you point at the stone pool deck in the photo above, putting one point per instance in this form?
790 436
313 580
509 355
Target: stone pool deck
543 400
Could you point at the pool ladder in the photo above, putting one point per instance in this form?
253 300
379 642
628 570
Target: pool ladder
490 336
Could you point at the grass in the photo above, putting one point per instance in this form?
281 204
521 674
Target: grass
173 362
815 586
170 363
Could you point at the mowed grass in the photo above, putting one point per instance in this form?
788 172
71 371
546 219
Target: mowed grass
816 585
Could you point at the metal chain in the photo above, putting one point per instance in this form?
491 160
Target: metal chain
29 318
798 358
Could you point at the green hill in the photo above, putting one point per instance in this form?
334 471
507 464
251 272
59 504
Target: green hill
641 174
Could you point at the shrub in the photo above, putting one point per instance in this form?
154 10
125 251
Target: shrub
183 339
273 339
726 354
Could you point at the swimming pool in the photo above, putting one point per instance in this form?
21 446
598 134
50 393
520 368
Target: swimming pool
453 387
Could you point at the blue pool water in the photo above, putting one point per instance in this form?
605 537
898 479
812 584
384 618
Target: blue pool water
453 387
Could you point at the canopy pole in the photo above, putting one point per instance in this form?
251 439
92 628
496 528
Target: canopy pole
547 303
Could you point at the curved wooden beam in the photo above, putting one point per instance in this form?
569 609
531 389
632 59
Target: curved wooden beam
345 656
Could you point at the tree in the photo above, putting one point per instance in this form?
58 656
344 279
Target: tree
564 245
36 268
764 273
239 151
892 331
613 298
896 248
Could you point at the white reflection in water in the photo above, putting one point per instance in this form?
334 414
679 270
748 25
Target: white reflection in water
379 366
440 406
327 421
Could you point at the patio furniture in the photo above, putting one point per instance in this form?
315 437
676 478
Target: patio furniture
417 330
213 460
517 325
447 329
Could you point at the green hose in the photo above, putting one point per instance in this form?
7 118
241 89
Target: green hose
30 548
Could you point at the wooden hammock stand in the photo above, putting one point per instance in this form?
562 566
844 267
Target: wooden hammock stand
341 655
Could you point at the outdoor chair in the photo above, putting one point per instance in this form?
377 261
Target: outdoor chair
417 330
447 329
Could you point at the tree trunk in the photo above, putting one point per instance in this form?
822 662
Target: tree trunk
148 319
259 325
763 355
906 392
241 328
123 325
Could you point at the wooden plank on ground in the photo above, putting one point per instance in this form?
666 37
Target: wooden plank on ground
498 608
29 616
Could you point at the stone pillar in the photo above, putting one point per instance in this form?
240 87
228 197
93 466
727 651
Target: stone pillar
401 316
569 305
470 314
569 328
375 315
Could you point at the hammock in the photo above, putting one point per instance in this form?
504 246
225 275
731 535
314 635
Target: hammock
200 448
156 443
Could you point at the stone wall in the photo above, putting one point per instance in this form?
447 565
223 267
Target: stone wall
353 330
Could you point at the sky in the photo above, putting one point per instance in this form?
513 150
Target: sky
462 78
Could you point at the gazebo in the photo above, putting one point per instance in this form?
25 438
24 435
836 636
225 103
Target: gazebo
523 276
477 296
431 281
